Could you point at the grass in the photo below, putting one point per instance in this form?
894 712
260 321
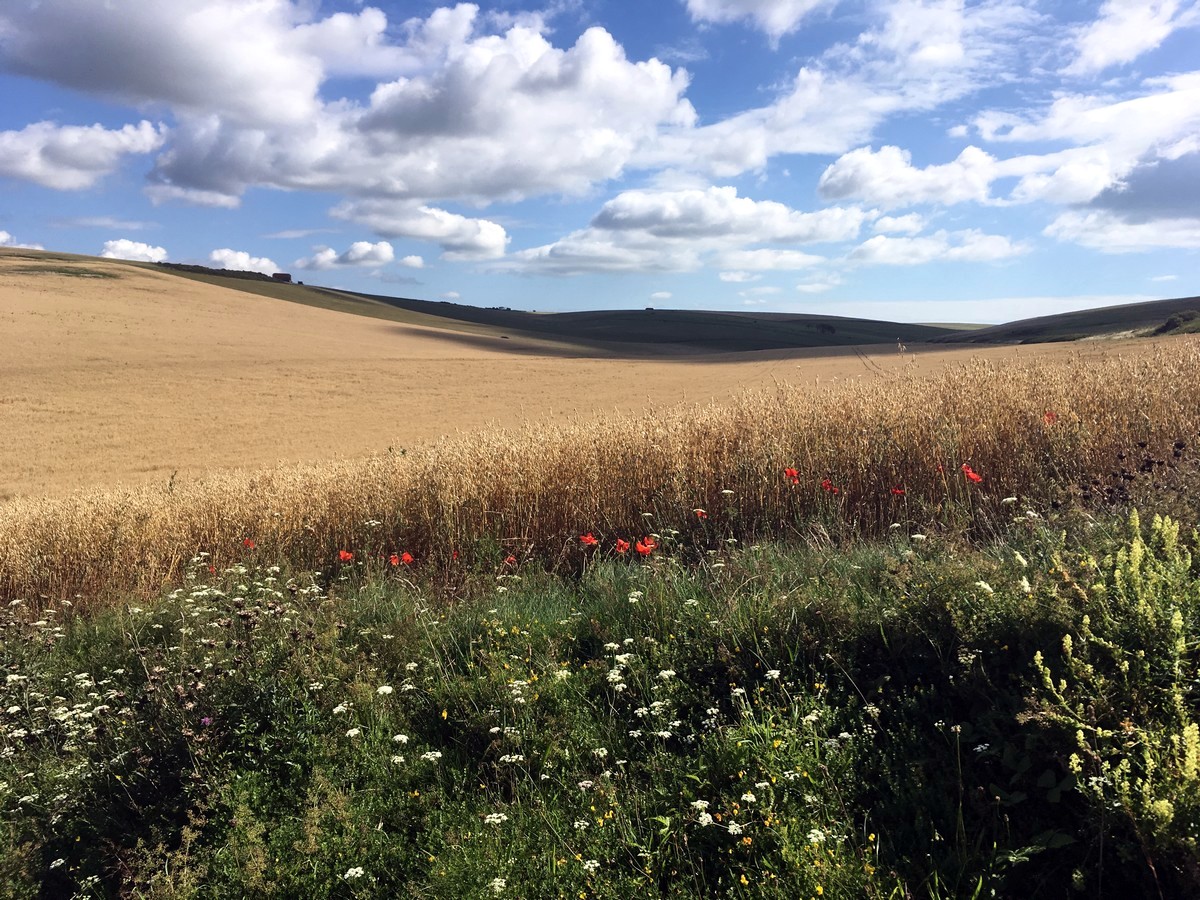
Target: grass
1037 430
905 717
1130 318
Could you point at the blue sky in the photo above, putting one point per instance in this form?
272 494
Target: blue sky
917 160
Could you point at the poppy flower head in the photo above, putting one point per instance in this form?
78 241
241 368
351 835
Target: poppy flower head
792 475
622 546
700 514
510 560
345 556
971 474
1050 417
646 546
588 540
898 491
394 559
829 487
249 544
406 558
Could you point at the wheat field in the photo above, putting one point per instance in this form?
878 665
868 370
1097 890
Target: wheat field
1021 425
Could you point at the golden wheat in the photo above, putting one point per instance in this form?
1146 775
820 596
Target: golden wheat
536 489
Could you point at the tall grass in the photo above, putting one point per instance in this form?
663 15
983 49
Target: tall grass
1026 428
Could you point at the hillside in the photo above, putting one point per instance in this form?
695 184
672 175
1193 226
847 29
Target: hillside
1126 320
642 332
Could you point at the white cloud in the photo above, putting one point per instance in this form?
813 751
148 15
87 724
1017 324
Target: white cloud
460 237
887 178
738 277
720 212
595 251
103 222
774 17
360 253
1165 278
911 224
450 295
1108 233
661 295
962 246
241 261
763 260
71 157
819 285
7 240
123 248
238 59
413 262
1124 30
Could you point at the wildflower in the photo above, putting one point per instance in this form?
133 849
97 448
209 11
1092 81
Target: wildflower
591 865
340 708
828 486
249 544
646 546
206 721
749 797
666 674
400 738
355 872
345 556
985 587
431 755
734 828
700 514
588 540
394 559
705 819
793 475
898 491
498 885
353 732
816 836
406 558
1050 417
397 759
383 690
971 474
581 824
622 546
496 818
510 560
773 674
600 752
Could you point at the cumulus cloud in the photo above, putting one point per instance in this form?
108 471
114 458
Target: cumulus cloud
1109 233
413 262
460 237
738 277
7 240
661 295
682 230
241 261
820 285
774 17
360 253
911 224
886 177
72 157
123 248
1124 30
963 246
720 212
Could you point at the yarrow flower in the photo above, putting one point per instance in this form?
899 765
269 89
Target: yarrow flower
355 872
383 689
496 818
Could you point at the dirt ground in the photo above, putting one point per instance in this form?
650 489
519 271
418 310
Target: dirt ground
144 376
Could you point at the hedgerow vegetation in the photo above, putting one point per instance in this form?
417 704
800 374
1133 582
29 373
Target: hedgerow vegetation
943 643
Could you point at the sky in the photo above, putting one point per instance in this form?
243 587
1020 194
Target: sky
911 160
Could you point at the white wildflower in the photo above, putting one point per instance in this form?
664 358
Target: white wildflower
383 690
496 818
355 872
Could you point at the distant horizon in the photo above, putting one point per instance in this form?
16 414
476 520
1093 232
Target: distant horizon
901 160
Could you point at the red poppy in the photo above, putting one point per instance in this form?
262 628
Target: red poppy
646 546
899 492
394 559
700 514
622 546
249 544
345 556
828 486
406 558
510 560
971 474
1050 417
588 540
792 475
